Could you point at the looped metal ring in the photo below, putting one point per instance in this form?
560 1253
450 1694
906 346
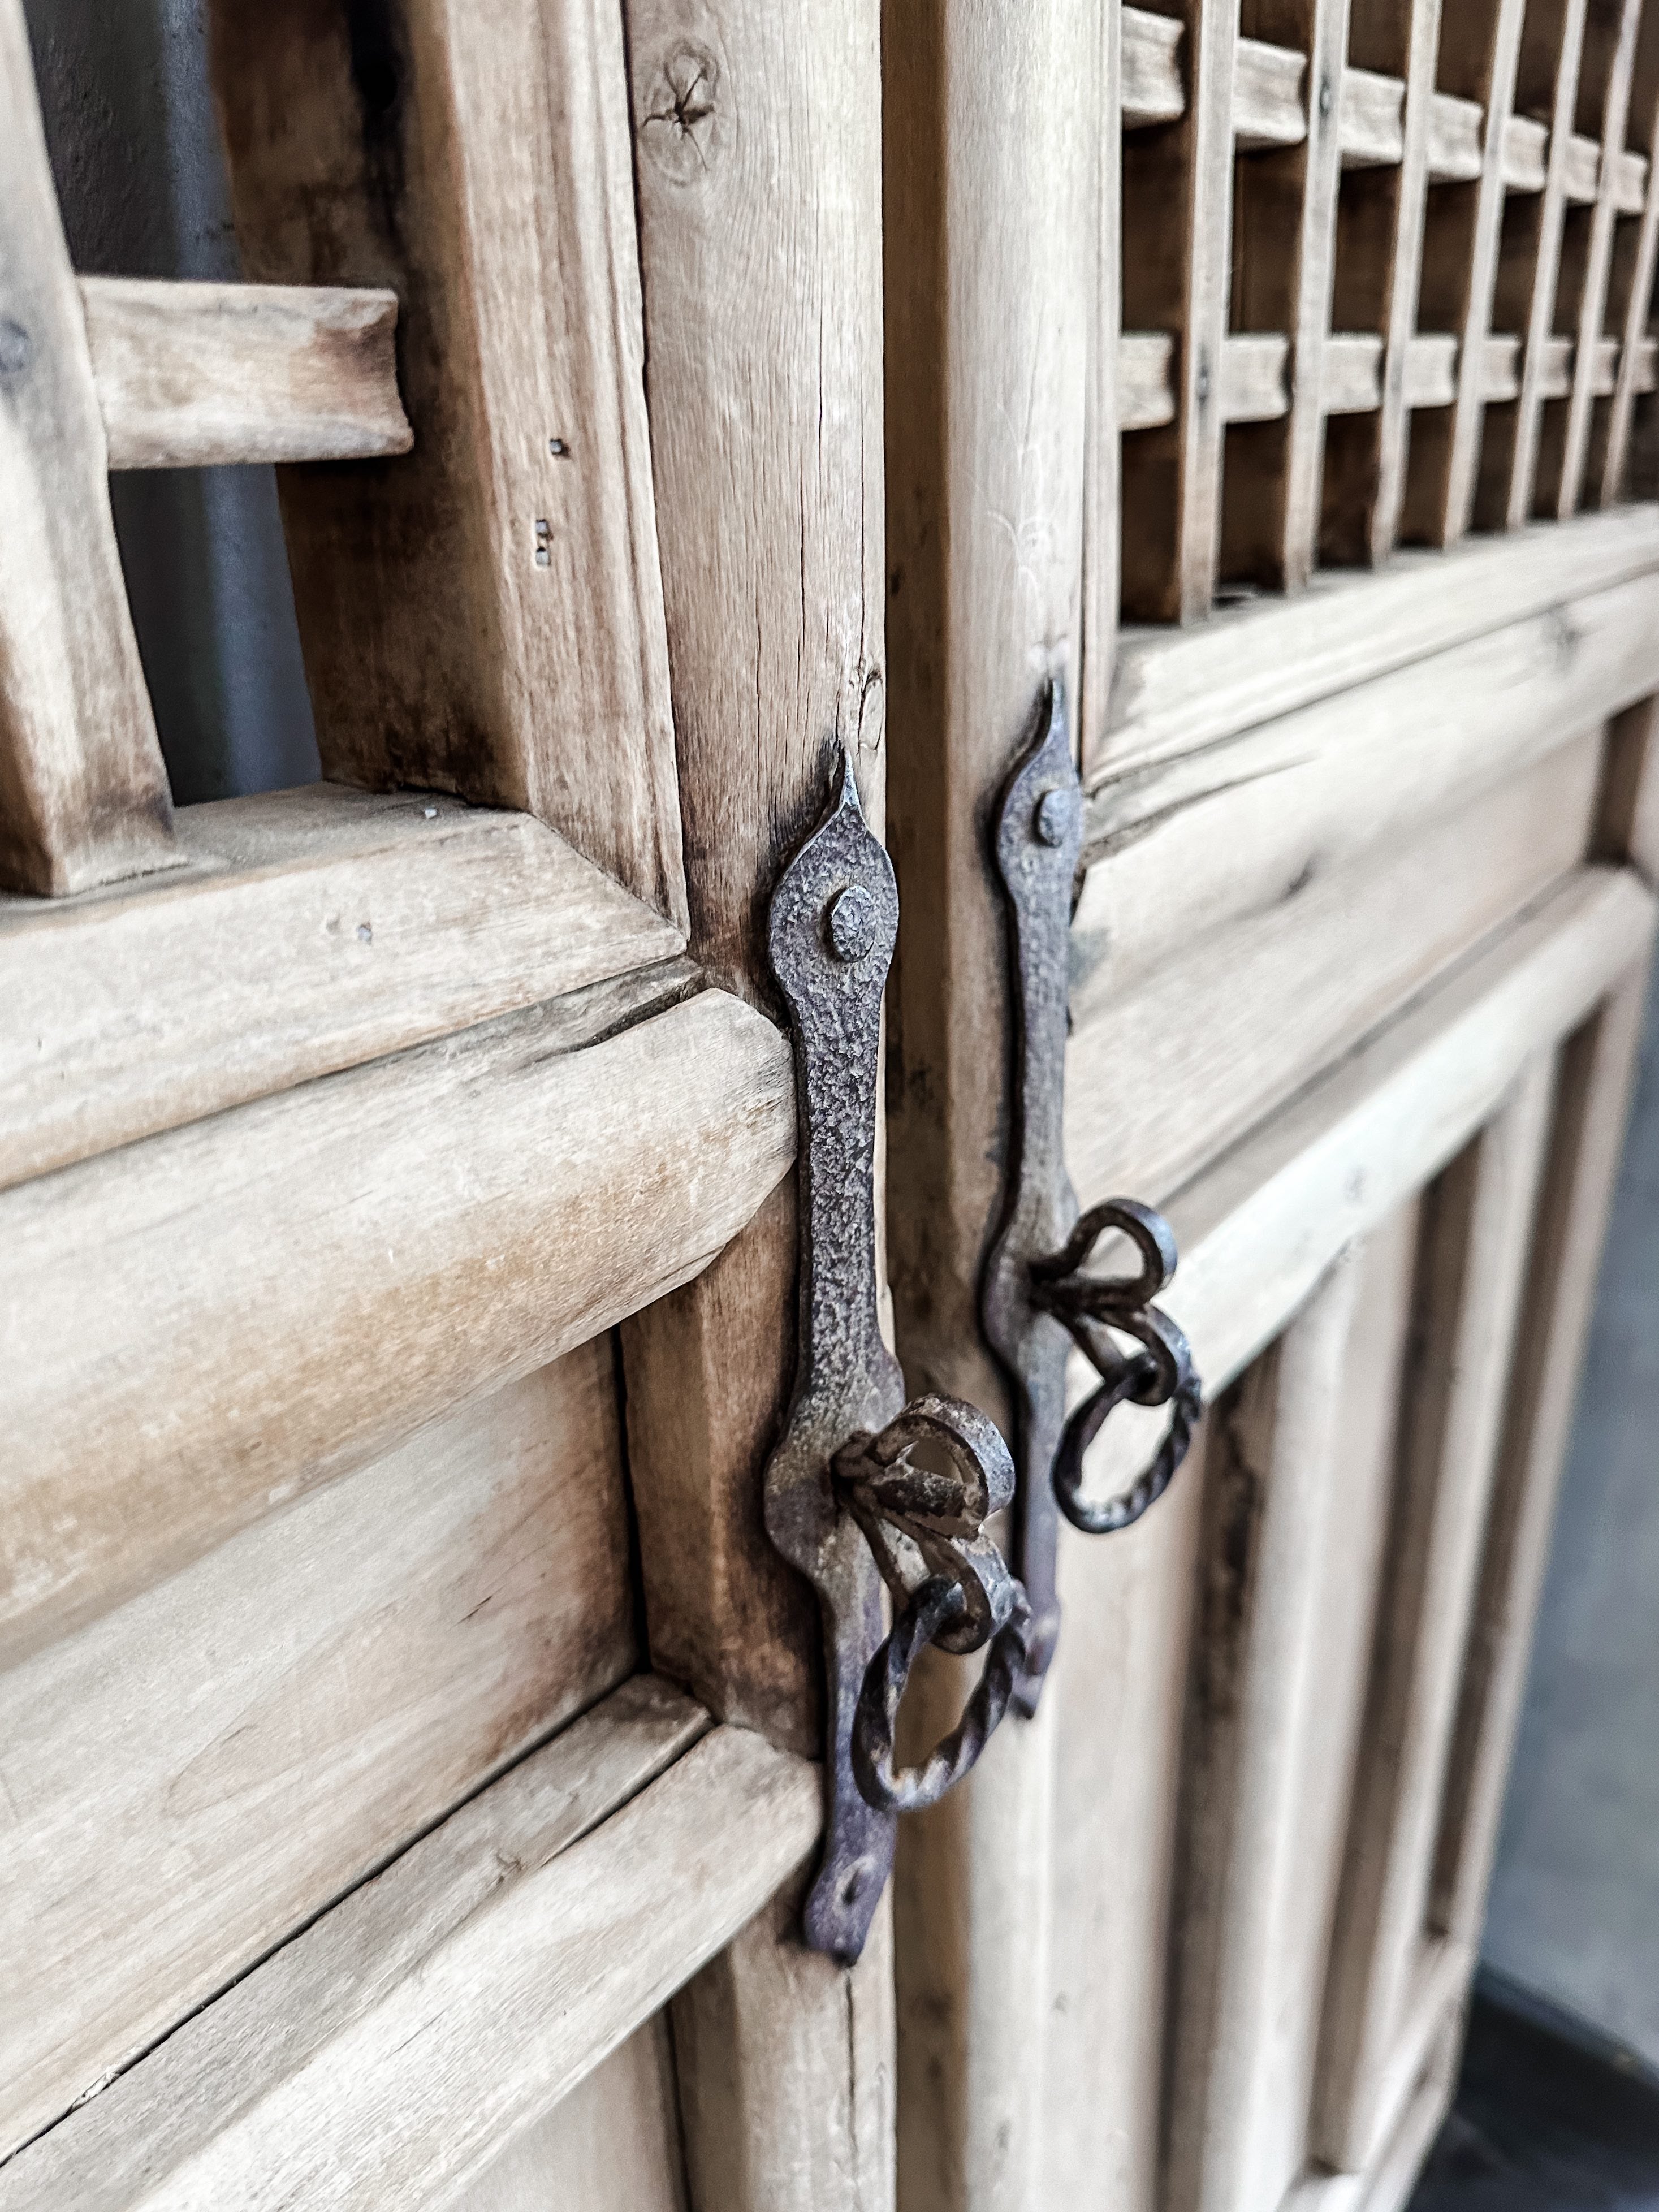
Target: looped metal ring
1161 1373
929 1614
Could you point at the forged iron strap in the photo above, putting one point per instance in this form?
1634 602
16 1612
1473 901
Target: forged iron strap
1036 1300
847 1502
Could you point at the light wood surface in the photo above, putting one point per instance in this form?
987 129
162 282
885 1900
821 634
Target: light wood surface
393 2050
312 930
1165 1073
196 1775
1636 266
348 1260
758 163
198 375
484 613
612 2145
1103 470
1223 832
83 794
1178 691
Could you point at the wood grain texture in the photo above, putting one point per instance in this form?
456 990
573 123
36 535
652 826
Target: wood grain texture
193 1777
611 2145
1221 833
1163 1073
198 375
83 794
1477 1236
1102 472
757 155
1175 692
485 614
393 2050
348 1260
312 930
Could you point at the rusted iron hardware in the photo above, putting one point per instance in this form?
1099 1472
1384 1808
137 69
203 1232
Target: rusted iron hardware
861 1487
1035 1300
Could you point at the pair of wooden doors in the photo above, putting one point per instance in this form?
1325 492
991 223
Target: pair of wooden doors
407 1729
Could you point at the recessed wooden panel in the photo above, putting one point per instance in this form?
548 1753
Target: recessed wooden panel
194 1775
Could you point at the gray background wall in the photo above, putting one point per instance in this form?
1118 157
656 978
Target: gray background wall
1575 1913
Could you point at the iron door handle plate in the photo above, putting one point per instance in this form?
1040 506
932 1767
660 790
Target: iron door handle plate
848 1501
1036 1300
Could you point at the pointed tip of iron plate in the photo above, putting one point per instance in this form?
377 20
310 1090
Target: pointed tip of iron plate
848 793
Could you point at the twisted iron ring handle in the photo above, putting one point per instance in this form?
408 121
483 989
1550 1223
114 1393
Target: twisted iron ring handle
927 1614
1160 1374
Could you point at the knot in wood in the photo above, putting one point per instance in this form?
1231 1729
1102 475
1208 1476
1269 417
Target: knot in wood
680 128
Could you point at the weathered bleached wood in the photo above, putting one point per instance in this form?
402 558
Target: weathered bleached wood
196 1775
1145 382
1270 107
758 154
1177 200
1592 1104
611 2145
1526 154
485 613
1566 452
1154 88
1102 467
348 1261
83 794
312 930
1253 381
1477 1236
1638 269
391 2051
1389 2184
1259 1227
1253 1896
1177 692
1164 1072
1187 845
1372 126
196 375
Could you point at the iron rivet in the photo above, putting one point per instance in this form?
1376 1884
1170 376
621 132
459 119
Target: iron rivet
1056 811
853 923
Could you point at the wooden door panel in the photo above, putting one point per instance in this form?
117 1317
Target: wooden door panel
192 1777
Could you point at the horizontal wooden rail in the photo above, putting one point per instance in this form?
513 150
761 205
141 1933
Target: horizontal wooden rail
1258 1228
199 375
1270 109
349 1260
1255 375
1178 691
391 2051
312 930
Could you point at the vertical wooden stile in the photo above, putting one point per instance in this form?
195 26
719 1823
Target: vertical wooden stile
1479 51
1296 1483
1551 46
484 614
991 214
756 143
1103 506
1178 212
83 793
1636 261
1379 258
1284 245
1478 1217
1561 476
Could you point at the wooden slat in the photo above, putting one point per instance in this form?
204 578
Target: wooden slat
393 2051
1103 470
1528 270
1563 464
198 375
1177 200
485 613
1477 1236
1526 154
1164 1071
1637 313
312 930
196 1775
83 794
758 164
1188 846
1175 692
348 1261
611 2145
1481 50
1270 106
1379 250
1154 88
1266 1723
